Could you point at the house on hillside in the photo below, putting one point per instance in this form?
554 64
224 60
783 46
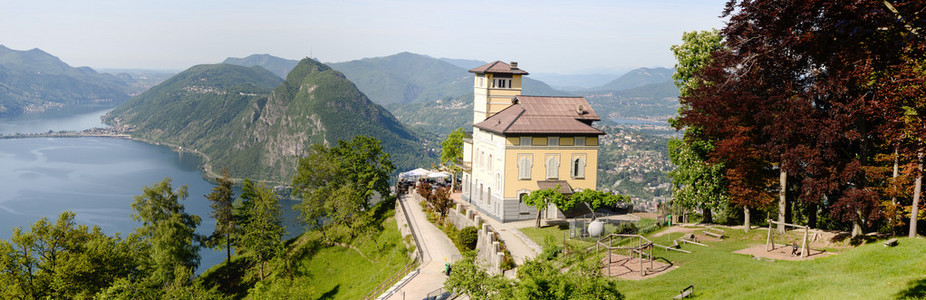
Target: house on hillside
521 144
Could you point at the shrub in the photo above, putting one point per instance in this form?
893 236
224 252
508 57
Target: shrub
626 228
468 237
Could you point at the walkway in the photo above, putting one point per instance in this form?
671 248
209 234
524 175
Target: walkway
437 250
521 247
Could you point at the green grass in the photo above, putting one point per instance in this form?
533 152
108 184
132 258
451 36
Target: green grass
869 271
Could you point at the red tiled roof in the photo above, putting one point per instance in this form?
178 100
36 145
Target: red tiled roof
544 115
498 67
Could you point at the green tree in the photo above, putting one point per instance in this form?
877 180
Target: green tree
262 234
337 184
541 199
597 199
696 183
222 198
168 231
451 154
468 279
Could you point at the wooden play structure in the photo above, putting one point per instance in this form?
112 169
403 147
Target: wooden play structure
770 241
636 246
714 232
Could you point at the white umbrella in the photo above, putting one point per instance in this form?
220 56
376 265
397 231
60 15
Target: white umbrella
415 173
439 175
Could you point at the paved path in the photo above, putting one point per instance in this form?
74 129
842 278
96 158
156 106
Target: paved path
521 247
437 250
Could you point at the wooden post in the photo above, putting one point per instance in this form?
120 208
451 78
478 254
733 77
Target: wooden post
768 240
805 251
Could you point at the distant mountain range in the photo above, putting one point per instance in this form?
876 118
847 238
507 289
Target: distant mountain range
637 78
256 125
34 81
277 65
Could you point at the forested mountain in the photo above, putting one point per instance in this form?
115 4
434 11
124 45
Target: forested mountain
277 65
637 78
244 119
412 78
35 81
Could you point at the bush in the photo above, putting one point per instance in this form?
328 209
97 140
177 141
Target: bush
626 228
468 237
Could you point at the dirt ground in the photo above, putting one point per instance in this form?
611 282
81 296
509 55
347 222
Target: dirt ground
625 267
781 252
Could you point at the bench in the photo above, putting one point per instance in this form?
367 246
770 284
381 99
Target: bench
685 293
890 243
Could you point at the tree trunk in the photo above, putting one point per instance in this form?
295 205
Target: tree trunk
782 198
746 225
856 228
917 189
708 218
539 211
228 251
811 211
896 173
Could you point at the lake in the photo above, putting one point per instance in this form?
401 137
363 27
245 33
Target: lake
54 121
97 179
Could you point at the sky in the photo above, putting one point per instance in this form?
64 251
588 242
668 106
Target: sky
564 37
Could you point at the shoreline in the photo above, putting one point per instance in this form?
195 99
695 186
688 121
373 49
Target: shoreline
206 169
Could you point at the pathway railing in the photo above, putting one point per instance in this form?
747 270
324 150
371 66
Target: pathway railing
385 285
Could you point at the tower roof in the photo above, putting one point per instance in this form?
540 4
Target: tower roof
544 115
499 67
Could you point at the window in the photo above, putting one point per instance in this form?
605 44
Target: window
501 83
580 141
490 163
488 198
480 81
521 198
524 168
552 167
553 141
525 141
578 167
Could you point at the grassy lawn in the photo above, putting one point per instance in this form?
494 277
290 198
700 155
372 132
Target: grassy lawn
870 271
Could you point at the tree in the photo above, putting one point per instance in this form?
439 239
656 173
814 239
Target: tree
695 183
541 199
222 198
467 278
261 235
61 260
337 184
167 230
441 203
596 199
452 154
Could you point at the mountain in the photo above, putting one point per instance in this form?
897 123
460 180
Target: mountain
637 78
413 78
652 102
256 125
464 63
35 81
277 65
575 82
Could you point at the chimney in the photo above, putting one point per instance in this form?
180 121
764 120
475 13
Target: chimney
580 110
514 65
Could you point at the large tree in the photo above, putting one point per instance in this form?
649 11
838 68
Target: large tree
337 184
696 183
222 199
168 231
261 235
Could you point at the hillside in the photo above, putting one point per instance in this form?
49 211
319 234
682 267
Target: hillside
277 65
413 78
35 81
248 121
637 78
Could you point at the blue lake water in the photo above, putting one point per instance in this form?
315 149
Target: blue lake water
54 122
97 179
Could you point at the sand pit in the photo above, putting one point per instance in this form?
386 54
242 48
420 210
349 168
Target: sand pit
625 267
781 252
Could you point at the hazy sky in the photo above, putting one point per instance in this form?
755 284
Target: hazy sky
543 36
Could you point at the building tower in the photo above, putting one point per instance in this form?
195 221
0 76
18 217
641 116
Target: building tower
495 87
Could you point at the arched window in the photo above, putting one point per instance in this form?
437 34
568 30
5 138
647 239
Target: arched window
490 162
481 192
552 168
488 198
578 167
524 168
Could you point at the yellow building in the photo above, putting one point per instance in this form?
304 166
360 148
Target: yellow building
525 143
